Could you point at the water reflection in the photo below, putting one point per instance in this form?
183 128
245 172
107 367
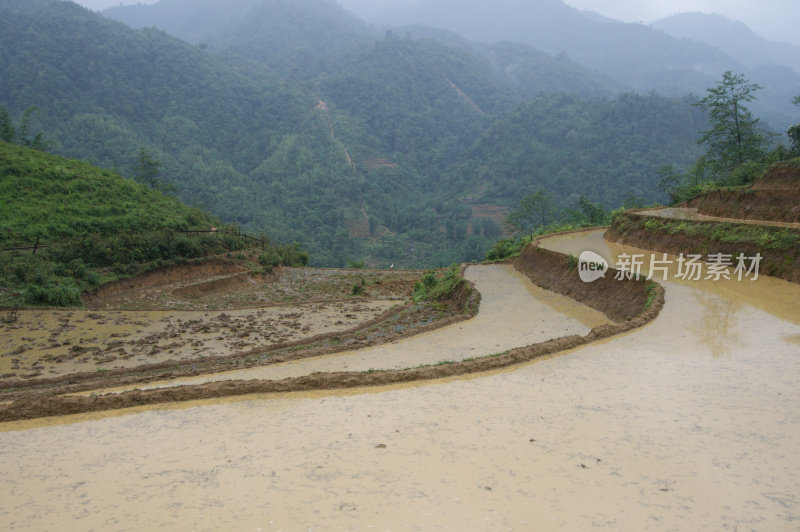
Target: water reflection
719 328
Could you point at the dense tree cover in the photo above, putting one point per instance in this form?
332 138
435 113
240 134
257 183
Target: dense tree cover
20 133
794 131
89 225
535 210
606 150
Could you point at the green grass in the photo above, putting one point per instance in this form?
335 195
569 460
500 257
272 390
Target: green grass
651 291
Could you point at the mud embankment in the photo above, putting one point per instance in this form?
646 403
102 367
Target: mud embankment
751 204
540 265
165 276
620 301
774 197
779 247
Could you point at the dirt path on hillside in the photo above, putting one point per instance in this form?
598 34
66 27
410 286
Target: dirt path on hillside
690 213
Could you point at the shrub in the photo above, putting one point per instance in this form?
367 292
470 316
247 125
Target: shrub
269 259
59 295
429 280
572 262
503 249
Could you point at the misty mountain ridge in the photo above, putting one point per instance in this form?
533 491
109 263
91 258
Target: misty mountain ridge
639 57
733 38
294 36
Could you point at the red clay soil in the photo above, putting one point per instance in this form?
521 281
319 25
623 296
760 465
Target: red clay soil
774 197
535 262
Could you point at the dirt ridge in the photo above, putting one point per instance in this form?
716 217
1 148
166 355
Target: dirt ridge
774 197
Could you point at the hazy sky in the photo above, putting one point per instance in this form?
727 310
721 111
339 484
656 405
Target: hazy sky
774 19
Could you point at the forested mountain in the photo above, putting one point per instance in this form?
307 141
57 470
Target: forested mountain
774 65
528 71
640 57
391 147
636 55
571 146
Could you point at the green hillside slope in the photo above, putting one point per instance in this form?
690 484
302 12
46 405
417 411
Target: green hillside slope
88 226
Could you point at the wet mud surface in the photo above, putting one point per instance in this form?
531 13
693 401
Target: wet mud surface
687 423
514 312
145 321
51 343
225 286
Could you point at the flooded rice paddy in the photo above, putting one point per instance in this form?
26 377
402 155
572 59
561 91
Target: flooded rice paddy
689 423
514 312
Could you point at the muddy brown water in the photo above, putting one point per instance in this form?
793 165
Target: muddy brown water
688 423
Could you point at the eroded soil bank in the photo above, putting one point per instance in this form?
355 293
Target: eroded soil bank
689 423
775 197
